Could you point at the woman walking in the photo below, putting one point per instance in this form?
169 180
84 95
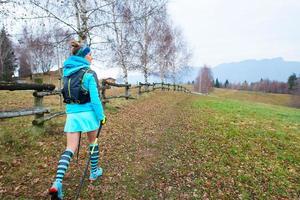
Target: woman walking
84 113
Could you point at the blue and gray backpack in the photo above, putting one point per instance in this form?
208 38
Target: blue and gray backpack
73 90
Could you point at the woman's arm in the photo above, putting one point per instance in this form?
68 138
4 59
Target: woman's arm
95 97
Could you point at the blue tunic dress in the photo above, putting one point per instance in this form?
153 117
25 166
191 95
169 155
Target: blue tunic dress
83 117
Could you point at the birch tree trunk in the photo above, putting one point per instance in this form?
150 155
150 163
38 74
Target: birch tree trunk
81 19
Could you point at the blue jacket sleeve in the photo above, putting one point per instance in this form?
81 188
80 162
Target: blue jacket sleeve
95 98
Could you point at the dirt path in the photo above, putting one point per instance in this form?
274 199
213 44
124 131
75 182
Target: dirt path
135 151
134 144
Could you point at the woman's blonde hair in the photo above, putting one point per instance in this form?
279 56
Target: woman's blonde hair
75 47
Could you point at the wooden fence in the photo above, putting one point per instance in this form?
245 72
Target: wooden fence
39 111
42 90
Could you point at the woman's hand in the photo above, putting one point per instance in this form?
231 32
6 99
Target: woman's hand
103 121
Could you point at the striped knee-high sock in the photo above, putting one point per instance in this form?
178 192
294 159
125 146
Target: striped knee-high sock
63 164
94 157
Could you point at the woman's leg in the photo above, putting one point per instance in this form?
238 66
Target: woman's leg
56 189
63 164
72 141
92 136
95 171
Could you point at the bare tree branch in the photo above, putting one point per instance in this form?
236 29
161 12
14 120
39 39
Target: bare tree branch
54 16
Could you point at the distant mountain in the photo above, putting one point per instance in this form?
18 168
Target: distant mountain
249 70
253 70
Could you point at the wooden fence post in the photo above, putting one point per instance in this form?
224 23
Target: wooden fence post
38 103
139 89
103 84
126 91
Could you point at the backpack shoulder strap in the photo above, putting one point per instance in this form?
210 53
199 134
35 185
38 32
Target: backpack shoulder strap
94 75
84 70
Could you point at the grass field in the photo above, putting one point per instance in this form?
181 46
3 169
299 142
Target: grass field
267 98
165 145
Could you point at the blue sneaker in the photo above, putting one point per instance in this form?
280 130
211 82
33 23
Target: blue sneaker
96 174
56 191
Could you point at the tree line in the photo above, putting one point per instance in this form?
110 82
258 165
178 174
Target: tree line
205 83
132 35
264 85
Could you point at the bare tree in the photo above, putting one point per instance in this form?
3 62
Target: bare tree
24 60
61 48
3 9
164 45
23 54
180 56
145 30
39 48
131 29
204 81
96 20
42 52
122 39
245 85
80 17
7 57
171 55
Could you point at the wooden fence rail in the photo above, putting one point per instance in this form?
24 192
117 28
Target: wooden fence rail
26 86
41 120
42 90
23 112
46 93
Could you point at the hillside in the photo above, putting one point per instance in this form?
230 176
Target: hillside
250 70
215 148
253 70
250 96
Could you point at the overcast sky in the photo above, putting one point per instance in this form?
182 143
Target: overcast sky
221 31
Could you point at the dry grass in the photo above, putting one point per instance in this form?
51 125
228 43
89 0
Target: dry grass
165 145
267 98
251 96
